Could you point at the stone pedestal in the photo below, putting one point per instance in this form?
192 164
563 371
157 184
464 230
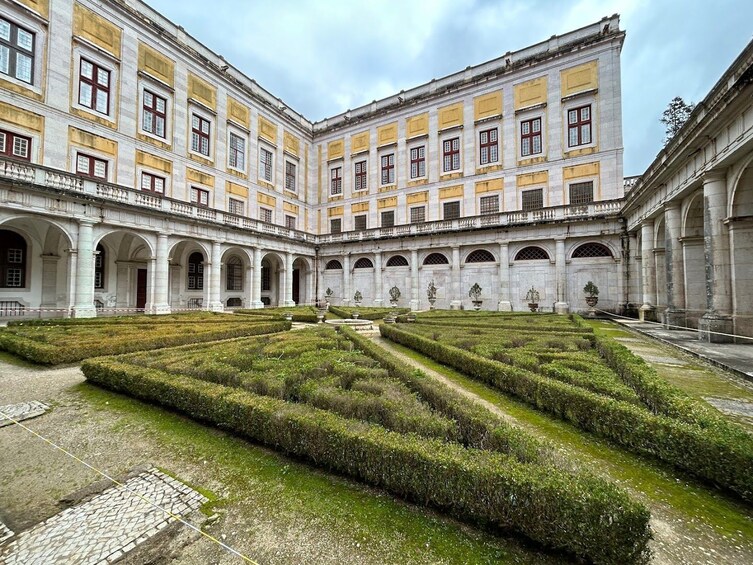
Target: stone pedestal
561 308
647 313
713 323
456 305
504 306
414 305
675 317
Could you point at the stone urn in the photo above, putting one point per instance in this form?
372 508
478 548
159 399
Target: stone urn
532 298
477 305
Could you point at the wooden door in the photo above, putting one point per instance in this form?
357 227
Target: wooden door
141 289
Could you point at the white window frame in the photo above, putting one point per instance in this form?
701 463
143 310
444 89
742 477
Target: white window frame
34 138
578 102
141 172
199 112
75 150
202 190
270 149
386 153
107 62
231 131
17 16
484 127
414 147
524 117
358 159
448 136
155 88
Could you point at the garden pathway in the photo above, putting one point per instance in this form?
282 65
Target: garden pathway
691 523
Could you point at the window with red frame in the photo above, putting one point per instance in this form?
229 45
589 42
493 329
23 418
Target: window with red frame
200 135
530 137
91 166
154 114
360 175
14 145
579 126
451 154
94 87
489 144
152 183
336 181
417 162
200 197
388 169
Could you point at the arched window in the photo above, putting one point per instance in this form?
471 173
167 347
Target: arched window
195 271
480 256
531 253
436 259
12 260
363 263
100 260
333 265
234 273
591 249
397 261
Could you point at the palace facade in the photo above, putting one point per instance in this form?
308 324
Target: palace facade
139 171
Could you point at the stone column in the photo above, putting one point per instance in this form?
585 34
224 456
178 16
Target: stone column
415 301
215 277
84 304
456 301
504 304
718 316
560 270
674 265
648 275
346 280
256 281
49 283
289 280
161 277
378 283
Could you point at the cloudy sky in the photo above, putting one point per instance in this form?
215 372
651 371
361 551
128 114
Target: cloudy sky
325 56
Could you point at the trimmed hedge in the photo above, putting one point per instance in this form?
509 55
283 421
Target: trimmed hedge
366 313
491 324
584 515
178 318
42 348
306 314
720 455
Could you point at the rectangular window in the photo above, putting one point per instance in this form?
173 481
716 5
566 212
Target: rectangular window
289 222
451 154
237 152
235 206
418 214
451 210
200 197
489 144
579 126
417 162
265 215
154 114
581 193
359 222
336 181
199 135
336 225
16 51
488 204
388 219
91 166
14 145
94 87
152 183
99 271
360 176
532 199
388 169
266 278
265 164
530 137
290 174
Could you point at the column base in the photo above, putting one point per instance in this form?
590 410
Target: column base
675 317
647 313
504 306
216 307
414 305
456 305
159 309
378 302
256 305
561 308
710 323
84 312
288 303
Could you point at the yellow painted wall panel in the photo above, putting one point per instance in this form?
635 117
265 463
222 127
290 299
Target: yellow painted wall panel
20 117
238 112
530 179
96 29
202 91
290 207
417 125
530 93
193 175
487 105
153 162
581 171
359 207
580 78
267 129
359 142
335 149
237 189
335 211
156 64
86 139
493 185
291 143
417 197
451 192
390 202
266 200
387 134
450 116
42 7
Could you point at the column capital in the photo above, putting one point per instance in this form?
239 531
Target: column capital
672 205
713 176
86 222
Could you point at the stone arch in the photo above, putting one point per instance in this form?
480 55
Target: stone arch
397 261
591 249
692 224
480 256
532 253
741 201
435 258
126 268
363 263
183 295
333 265
659 233
302 283
272 267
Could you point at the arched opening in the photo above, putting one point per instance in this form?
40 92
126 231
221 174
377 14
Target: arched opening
694 260
333 265
13 256
302 283
480 256
591 249
271 280
436 259
397 261
195 280
100 260
363 263
234 274
532 253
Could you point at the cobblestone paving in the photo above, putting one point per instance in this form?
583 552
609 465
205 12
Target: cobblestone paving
22 411
106 527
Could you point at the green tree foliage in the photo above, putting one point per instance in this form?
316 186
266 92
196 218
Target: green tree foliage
674 117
